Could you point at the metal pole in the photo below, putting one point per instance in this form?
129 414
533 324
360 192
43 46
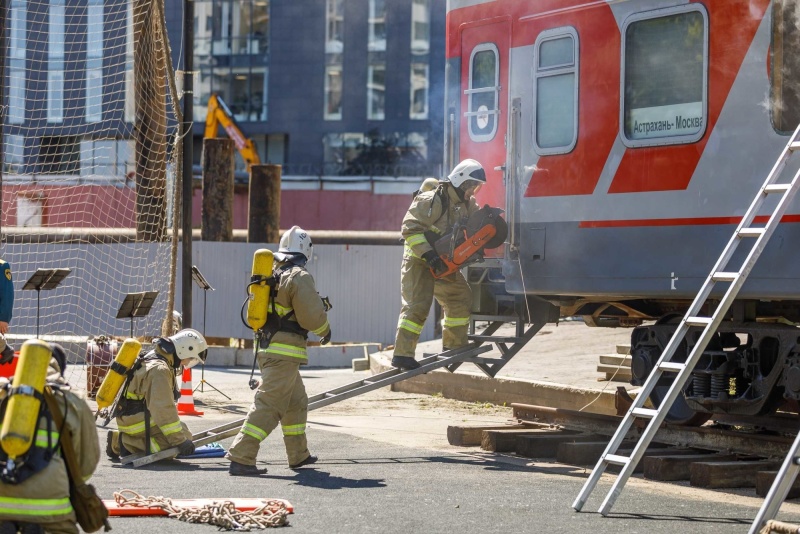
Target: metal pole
3 109
188 159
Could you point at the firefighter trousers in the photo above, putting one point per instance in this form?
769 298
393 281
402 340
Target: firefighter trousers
418 288
281 398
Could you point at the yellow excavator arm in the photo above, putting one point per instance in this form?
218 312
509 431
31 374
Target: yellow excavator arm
219 114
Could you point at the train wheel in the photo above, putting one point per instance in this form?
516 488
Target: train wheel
679 413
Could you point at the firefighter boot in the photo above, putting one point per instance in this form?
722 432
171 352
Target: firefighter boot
241 470
308 461
404 362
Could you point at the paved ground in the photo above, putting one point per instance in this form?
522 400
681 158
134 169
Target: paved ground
386 465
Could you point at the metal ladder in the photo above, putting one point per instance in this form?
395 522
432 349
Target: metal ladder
779 489
449 360
758 237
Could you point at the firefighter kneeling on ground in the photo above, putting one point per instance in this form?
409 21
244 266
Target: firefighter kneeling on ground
281 396
34 489
147 416
435 212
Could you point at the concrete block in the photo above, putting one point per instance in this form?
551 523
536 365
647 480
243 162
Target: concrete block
333 356
244 357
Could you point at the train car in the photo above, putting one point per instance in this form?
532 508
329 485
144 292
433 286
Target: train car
625 140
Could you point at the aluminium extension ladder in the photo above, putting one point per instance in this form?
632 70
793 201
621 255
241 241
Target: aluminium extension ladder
758 238
449 360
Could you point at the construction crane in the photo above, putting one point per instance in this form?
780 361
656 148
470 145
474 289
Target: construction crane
220 114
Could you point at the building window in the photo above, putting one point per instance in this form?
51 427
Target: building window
419 91
785 71
334 27
55 66
665 76
556 91
59 155
420 26
333 92
130 104
13 153
16 93
377 26
19 28
106 159
484 76
376 92
94 61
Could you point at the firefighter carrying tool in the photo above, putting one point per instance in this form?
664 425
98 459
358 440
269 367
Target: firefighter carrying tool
482 230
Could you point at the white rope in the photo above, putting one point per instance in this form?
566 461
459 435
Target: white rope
223 514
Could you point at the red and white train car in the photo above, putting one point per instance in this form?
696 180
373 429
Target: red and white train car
625 139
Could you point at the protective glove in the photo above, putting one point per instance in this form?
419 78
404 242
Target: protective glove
434 262
326 338
186 448
7 355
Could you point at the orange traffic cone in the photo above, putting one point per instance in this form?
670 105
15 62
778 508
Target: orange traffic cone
186 402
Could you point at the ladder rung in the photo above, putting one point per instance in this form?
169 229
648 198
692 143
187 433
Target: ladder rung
644 412
751 232
777 188
724 277
616 459
329 395
672 366
698 321
794 146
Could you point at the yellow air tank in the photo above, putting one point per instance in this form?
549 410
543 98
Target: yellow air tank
258 304
115 377
22 413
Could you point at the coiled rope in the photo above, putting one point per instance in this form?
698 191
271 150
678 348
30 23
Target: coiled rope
223 514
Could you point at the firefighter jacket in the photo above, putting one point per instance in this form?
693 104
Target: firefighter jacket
44 497
433 211
153 386
6 292
301 310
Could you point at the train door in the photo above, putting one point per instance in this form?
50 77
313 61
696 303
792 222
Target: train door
484 81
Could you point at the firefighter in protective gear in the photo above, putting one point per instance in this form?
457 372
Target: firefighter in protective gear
42 500
281 396
6 296
435 212
147 416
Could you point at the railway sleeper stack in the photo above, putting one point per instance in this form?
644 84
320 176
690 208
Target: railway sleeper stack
665 462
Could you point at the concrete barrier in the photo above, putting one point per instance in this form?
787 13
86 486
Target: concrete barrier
326 357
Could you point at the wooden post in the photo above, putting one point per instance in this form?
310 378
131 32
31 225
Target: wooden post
217 210
150 99
263 225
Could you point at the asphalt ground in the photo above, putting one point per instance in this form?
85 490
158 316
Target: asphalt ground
385 466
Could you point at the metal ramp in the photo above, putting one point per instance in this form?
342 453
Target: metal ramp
481 343
746 232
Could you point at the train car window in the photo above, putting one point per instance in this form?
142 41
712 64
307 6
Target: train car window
484 87
665 76
555 80
785 71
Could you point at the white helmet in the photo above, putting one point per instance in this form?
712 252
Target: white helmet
294 241
468 170
190 347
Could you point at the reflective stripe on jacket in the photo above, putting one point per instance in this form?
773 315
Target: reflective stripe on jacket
44 498
427 213
297 292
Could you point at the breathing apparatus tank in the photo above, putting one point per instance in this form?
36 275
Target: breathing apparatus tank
22 413
259 290
115 377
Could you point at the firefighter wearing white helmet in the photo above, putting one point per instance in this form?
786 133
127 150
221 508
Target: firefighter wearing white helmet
433 213
147 416
35 488
281 396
